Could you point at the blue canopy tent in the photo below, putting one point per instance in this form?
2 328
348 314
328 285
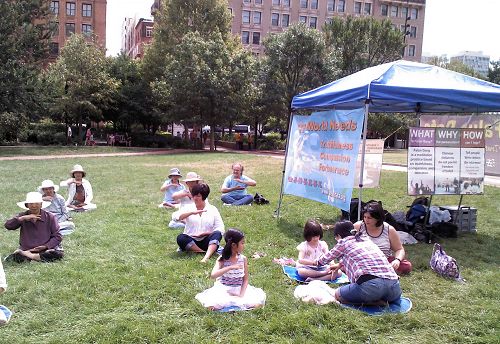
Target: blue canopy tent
401 86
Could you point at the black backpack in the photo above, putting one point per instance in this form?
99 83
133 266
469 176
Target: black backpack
259 199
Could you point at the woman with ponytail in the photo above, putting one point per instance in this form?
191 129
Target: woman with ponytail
231 274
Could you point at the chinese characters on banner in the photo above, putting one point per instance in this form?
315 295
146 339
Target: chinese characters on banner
443 161
491 125
322 154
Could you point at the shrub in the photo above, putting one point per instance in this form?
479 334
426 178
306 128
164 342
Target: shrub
271 141
45 133
145 139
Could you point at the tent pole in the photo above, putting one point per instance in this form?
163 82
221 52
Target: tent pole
277 211
362 167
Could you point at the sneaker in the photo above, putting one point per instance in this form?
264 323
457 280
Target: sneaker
219 250
5 315
227 205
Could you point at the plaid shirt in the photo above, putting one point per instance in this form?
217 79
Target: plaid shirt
360 258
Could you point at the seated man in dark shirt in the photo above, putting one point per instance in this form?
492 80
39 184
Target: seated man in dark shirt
39 238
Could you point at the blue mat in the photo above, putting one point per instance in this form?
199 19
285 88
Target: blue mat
231 309
291 272
7 313
403 305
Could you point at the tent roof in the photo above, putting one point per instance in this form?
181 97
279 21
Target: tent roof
404 86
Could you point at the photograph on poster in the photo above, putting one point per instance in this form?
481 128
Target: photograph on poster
471 186
424 186
446 185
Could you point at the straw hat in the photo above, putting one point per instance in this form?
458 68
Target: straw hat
192 177
33 197
48 184
174 172
77 168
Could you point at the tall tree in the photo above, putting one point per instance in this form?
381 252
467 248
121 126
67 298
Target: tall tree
494 72
296 61
456 66
26 27
358 43
81 78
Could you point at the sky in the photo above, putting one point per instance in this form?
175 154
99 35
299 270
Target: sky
451 26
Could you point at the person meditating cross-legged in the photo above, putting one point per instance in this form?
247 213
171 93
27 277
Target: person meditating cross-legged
204 227
384 236
80 193
39 237
234 188
57 206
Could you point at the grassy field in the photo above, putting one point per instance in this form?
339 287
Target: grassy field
395 156
122 280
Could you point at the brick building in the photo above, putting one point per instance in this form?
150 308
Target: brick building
253 20
78 16
136 34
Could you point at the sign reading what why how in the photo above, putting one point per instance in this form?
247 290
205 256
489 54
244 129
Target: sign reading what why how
445 161
489 122
322 154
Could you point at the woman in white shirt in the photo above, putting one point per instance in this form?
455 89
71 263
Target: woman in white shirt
204 226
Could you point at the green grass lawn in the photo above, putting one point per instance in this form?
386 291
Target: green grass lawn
122 280
395 156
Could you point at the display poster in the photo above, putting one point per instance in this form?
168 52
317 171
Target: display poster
444 161
322 154
374 152
489 122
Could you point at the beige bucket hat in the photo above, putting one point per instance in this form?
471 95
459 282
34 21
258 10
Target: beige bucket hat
33 197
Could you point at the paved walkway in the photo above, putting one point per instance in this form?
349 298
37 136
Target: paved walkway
488 180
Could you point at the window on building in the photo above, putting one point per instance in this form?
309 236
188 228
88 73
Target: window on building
230 11
414 13
86 29
70 9
70 29
247 1
402 28
330 5
394 11
149 32
245 37
404 12
286 3
341 6
87 10
368 8
314 4
304 4
413 31
54 48
303 19
257 17
313 22
56 30
357 7
245 17
411 50
328 20
258 2
285 20
384 10
276 2
54 7
275 19
256 38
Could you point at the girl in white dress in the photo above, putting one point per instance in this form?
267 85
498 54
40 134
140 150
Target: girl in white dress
231 273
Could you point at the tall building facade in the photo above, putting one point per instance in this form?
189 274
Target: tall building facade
87 17
136 34
476 60
255 19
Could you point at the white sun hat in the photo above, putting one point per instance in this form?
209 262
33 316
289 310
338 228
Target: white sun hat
192 177
47 183
33 197
77 168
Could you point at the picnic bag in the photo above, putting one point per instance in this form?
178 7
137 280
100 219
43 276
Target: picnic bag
443 264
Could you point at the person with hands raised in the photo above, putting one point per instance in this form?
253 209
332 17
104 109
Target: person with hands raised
39 237
234 188
204 227
80 193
